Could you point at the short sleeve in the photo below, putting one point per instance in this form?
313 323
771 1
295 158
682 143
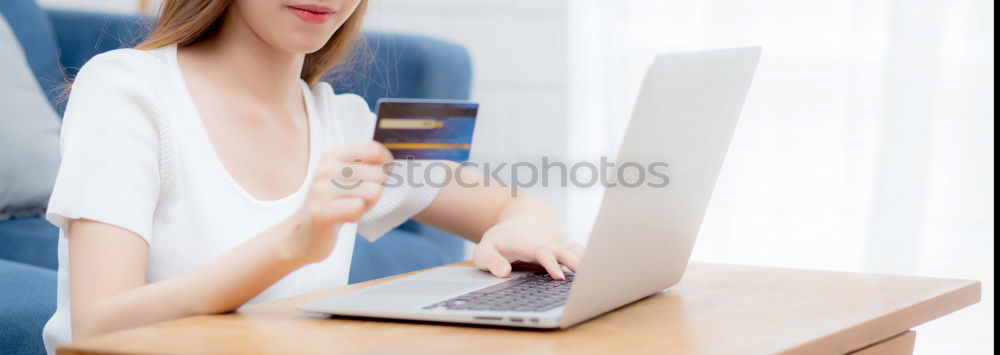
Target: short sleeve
410 191
417 183
110 146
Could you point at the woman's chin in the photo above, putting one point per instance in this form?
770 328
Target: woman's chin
308 48
300 45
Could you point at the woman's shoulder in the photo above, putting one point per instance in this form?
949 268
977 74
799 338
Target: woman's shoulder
126 69
325 96
117 90
129 76
128 59
348 111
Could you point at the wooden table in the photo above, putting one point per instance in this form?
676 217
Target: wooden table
716 309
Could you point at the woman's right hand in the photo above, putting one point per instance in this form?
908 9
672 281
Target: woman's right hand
347 184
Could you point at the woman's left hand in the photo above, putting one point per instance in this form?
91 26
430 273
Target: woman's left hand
509 242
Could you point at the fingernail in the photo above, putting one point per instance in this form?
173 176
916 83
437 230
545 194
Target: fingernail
500 269
560 275
494 270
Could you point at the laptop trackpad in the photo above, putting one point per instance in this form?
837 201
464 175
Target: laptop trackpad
424 287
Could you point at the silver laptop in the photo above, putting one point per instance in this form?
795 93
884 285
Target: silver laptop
643 236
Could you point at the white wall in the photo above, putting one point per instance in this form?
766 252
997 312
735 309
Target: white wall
866 142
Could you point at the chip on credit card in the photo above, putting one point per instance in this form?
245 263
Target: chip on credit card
426 129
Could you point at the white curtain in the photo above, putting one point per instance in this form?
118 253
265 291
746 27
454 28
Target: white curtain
866 142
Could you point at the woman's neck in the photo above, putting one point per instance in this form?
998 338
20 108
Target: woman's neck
246 63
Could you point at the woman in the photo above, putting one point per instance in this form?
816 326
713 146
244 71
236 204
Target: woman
197 169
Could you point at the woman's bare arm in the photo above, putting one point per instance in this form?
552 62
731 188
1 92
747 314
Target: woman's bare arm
108 265
108 268
508 227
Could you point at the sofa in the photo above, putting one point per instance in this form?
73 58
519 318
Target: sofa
59 42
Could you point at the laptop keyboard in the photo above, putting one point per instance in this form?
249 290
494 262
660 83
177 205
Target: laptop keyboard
535 292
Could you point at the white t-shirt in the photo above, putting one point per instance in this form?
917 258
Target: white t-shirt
136 155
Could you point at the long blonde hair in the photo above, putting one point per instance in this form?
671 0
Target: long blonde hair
184 22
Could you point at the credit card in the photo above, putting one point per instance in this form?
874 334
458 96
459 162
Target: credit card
426 129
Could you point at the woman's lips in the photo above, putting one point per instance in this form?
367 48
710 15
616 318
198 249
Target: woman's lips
312 14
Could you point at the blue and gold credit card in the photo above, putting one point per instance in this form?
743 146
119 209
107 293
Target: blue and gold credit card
426 129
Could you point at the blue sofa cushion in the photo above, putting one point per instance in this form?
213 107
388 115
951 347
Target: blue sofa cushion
28 300
82 35
32 27
29 240
391 65
401 251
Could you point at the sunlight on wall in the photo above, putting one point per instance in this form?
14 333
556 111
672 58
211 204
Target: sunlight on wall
866 142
